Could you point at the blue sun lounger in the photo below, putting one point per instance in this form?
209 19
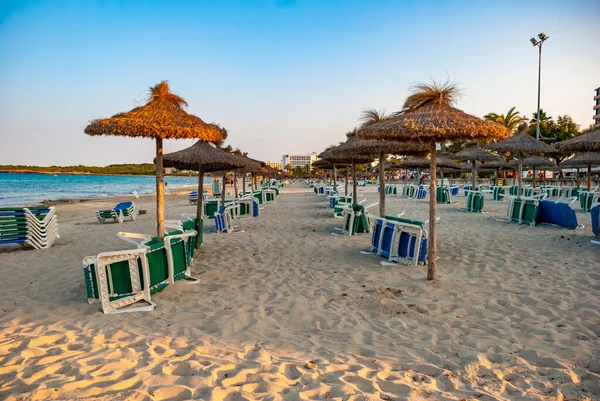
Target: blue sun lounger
118 213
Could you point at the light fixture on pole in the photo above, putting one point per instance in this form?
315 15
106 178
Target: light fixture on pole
539 43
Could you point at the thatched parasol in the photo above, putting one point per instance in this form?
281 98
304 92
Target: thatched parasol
588 142
252 167
473 153
537 162
379 148
428 117
204 158
588 160
523 144
340 155
162 117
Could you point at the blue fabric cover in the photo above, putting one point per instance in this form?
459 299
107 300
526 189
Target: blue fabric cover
375 237
558 213
595 212
123 206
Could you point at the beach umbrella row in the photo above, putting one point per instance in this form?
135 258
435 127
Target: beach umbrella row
473 153
355 146
523 144
202 157
589 145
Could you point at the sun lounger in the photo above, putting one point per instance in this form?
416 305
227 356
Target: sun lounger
355 220
216 188
474 202
118 280
498 193
522 210
595 214
403 241
453 190
211 206
557 213
399 240
118 213
444 197
193 198
586 199
223 220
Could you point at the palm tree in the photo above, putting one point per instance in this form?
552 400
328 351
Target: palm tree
370 117
543 117
510 120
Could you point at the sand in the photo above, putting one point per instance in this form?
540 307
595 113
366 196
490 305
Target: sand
285 311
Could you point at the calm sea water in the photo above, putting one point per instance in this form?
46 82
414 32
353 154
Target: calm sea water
27 189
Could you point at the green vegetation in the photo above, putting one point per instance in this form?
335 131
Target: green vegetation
133 169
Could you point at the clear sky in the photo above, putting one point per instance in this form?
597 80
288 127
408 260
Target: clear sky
284 76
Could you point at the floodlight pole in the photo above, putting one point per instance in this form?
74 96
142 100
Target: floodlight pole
539 44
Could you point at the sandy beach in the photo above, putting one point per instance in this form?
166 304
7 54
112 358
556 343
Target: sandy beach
286 311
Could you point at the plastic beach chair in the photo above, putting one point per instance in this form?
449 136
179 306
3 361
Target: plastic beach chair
118 213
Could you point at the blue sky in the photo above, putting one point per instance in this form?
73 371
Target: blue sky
284 76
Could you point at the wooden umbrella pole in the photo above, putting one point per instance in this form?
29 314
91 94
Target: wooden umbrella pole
354 195
589 178
381 185
431 264
520 174
533 178
334 178
346 182
235 189
473 172
244 184
199 205
223 191
578 181
160 194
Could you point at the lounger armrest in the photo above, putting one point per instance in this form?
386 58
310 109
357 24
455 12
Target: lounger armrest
134 238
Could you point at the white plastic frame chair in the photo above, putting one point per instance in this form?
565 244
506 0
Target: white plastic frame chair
103 262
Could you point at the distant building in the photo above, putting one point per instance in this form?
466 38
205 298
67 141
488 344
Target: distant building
597 107
275 165
298 160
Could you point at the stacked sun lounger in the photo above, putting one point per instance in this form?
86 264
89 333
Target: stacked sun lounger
121 279
34 226
399 240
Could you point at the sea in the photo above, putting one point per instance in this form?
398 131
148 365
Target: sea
29 189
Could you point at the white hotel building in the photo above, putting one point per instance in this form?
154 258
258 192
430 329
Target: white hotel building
298 160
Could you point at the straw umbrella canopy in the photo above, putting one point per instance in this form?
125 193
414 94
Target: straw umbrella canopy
473 153
252 167
162 117
588 142
380 148
428 117
588 160
340 155
523 144
204 158
537 162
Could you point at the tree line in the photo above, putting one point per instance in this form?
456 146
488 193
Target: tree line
133 169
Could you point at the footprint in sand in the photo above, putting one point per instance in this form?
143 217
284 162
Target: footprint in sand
290 371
